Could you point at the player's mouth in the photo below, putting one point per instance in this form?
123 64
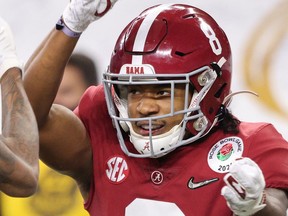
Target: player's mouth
142 128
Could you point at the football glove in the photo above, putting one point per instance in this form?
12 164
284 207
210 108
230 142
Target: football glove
80 13
244 190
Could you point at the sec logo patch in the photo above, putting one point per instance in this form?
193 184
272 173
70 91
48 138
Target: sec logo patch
117 169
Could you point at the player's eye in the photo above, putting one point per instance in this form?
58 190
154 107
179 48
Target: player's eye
164 92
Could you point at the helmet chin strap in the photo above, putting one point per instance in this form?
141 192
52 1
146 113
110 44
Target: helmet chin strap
157 145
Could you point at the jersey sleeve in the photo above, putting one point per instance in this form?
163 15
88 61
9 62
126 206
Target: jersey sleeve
269 150
92 105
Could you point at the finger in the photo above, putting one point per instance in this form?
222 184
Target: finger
231 198
235 186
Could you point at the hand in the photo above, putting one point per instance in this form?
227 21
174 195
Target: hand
80 13
244 190
8 56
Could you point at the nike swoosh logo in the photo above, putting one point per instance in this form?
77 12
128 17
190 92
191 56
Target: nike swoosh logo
194 185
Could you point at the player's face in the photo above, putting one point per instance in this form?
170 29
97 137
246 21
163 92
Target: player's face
155 100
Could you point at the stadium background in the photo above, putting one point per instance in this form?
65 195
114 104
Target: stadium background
258 33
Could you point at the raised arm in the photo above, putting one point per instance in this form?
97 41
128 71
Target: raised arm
19 141
46 66
44 72
62 135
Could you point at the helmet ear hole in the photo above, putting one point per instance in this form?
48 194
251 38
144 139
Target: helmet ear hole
211 110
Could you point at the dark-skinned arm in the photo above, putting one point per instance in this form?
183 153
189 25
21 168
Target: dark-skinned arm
63 136
19 139
44 71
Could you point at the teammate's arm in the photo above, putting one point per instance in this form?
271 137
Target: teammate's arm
19 143
19 140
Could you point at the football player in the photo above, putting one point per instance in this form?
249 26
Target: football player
157 137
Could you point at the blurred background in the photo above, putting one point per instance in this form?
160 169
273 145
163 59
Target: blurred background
258 33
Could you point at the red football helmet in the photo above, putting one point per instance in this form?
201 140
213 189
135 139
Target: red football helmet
168 43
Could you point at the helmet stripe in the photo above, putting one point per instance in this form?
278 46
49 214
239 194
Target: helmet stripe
143 30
